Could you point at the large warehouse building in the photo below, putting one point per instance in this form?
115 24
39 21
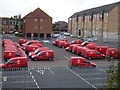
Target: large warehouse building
101 21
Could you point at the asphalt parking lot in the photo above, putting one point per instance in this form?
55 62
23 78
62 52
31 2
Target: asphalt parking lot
56 74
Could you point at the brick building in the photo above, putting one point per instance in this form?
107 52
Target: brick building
60 26
37 24
9 24
99 22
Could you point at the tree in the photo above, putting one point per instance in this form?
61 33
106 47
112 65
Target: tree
16 27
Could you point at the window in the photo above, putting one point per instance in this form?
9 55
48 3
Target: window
41 27
48 35
41 34
98 53
86 61
4 22
28 34
40 54
35 20
35 27
35 35
41 20
9 63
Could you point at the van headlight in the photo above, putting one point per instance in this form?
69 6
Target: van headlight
32 56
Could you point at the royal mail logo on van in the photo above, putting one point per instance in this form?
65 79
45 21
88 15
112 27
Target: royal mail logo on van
33 48
78 61
10 54
18 61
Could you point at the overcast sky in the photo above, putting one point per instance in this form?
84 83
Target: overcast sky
59 10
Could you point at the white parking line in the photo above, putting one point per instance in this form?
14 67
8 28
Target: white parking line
103 70
81 78
96 78
66 57
51 71
33 78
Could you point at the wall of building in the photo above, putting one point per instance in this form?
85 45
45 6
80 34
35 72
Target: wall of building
113 23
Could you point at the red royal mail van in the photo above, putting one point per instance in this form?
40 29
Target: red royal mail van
80 62
47 54
38 50
113 53
17 62
93 54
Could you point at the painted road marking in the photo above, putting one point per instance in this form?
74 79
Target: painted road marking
51 71
33 78
40 71
103 70
95 78
66 57
81 78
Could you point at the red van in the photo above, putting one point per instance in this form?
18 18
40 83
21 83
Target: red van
91 46
102 49
57 41
47 54
17 62
76 42
13 53
22 41
93 54
32 47
86 43
63 44
75 48
4 41
71 46
37 51
80 62
113 53
32 42
79 50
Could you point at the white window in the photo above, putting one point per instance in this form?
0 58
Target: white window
41 20
4 22
35 20
41 27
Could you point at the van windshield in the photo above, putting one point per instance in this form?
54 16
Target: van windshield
35 51
28 43
98 53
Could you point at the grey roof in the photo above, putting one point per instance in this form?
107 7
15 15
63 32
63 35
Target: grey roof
101 9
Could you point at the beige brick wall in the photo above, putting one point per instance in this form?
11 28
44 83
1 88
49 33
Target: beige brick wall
113 20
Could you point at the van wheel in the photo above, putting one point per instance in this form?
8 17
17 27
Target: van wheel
94 66
89 58
35 59
111 57
102 57
50 58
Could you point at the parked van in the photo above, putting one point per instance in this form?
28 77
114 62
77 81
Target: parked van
102 49
38 50
22 41
113 53
63 44
17 62
47 54
80 62
93 54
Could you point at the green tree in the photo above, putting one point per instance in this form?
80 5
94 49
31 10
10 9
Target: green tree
16 27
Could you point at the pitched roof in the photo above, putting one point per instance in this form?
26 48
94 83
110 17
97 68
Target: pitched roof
37 13
105 9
